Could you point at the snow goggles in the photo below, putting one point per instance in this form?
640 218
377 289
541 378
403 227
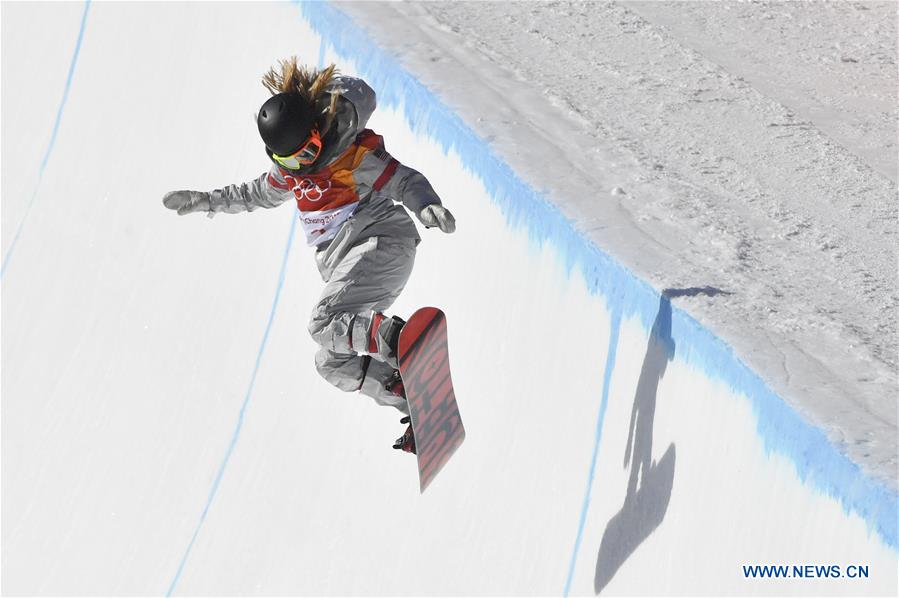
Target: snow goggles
304 156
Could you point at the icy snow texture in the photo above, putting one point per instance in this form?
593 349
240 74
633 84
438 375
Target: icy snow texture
747 147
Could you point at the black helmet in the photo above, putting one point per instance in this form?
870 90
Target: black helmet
284 122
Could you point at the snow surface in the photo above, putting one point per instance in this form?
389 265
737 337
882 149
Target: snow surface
749 147
164 430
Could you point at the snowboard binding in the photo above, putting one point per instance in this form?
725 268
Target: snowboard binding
406 442
395 385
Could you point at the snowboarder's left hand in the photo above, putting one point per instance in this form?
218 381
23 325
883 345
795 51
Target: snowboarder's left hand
437 215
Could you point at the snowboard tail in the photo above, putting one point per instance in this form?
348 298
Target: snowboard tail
425 370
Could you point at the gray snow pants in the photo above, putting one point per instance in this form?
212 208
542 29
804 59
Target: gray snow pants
360 284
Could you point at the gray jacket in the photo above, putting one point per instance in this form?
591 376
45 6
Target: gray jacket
374 214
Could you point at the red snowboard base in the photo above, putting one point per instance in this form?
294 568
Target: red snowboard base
424 367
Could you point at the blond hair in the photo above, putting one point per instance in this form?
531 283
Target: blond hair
288 76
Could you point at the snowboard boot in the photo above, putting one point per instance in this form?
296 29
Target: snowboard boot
384 338
406 442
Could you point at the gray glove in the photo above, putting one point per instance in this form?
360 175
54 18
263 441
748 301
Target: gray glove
437 215
186 202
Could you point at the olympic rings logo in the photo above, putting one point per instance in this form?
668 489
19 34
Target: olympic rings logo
308 189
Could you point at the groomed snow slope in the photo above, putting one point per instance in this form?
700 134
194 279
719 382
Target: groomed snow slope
164 430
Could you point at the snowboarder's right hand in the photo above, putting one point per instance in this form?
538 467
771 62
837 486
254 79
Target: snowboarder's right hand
186 202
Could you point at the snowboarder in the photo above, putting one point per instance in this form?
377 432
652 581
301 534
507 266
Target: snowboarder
345 185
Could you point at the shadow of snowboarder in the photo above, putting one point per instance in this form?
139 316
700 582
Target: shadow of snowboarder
650 483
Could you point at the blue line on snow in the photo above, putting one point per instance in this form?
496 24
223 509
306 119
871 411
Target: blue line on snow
321 54
243 407
600 418
46 158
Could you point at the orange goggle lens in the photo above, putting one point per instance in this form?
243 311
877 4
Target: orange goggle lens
305 155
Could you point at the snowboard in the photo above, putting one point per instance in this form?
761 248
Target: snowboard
423 356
